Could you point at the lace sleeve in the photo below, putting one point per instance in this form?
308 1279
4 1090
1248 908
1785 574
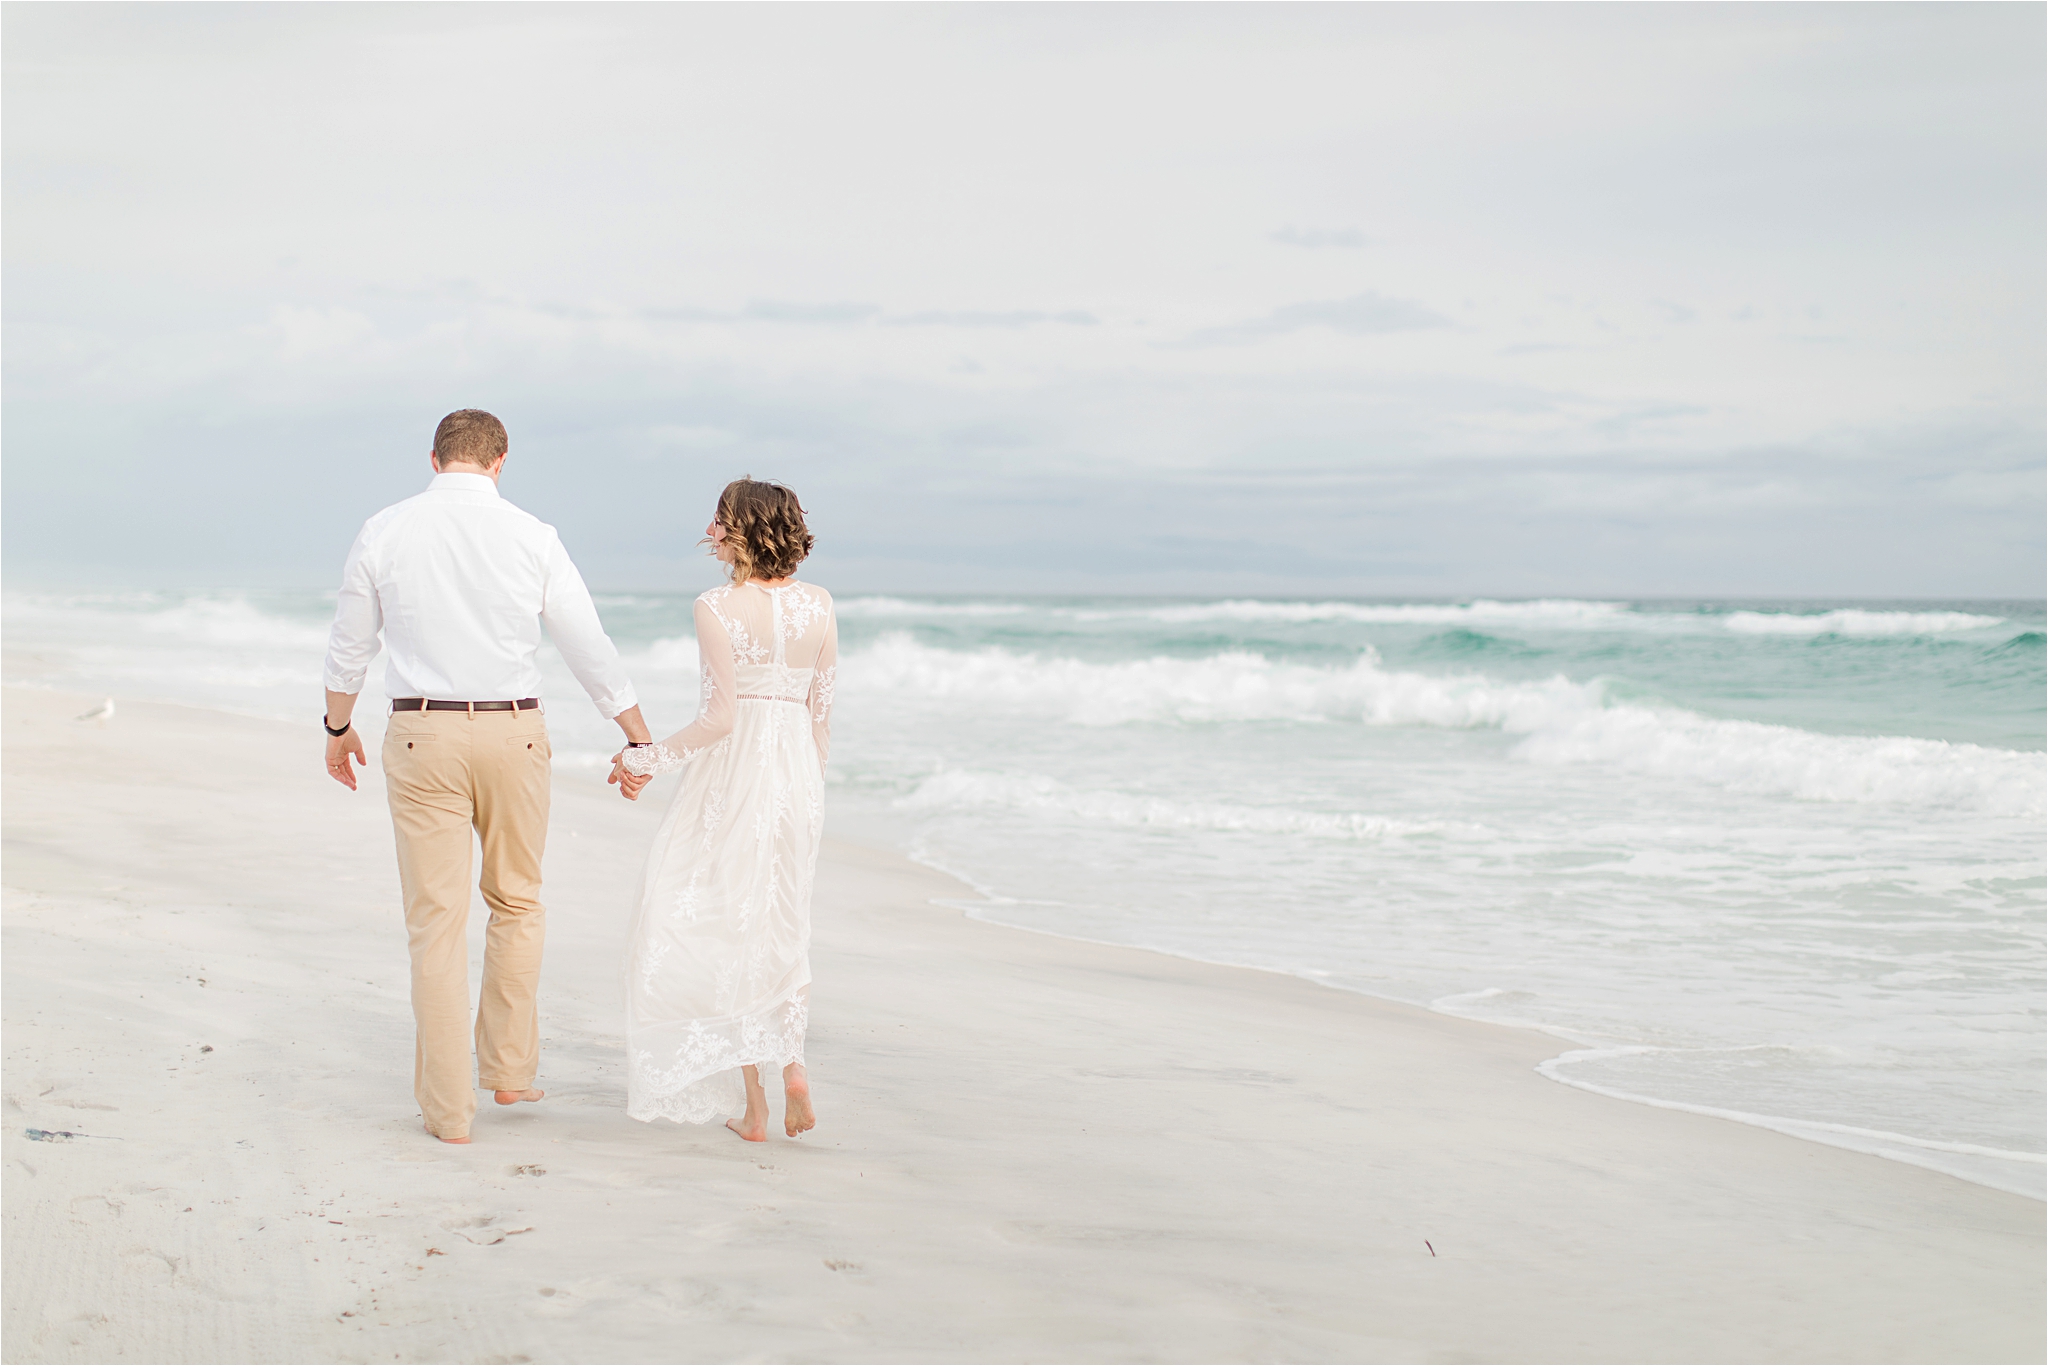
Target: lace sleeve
714 704
823 676
647 760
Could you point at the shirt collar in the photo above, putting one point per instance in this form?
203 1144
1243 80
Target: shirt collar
464 483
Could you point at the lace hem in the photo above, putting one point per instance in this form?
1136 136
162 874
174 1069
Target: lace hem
690 1072
723 1095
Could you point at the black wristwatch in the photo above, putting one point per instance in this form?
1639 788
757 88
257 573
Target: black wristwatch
337 734
638 744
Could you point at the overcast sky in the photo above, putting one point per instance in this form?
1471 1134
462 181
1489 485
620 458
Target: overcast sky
1663 299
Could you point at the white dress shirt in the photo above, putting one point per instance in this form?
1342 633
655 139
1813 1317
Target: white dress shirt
460 582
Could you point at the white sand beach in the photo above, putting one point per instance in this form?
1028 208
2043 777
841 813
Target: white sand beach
1029 1148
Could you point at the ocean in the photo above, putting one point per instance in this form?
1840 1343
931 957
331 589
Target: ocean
1777 861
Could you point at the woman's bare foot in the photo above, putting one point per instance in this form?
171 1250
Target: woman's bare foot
463 1139
753 1125
514 1097
797 1115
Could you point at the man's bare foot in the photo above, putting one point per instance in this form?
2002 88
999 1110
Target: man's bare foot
514 1097
753 1125
463 1139
797 1115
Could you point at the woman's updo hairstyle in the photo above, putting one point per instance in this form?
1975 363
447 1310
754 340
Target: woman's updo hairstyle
764 525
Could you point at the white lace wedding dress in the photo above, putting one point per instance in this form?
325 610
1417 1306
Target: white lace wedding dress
718 966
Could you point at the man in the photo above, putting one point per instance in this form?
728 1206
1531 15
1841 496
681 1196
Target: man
460 582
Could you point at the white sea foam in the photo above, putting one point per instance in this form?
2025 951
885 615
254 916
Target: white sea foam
957 789
1748 756
904 607
2004 1168
1550 613
227 619
1539 614
1853 621
1563 722
232 621
671 653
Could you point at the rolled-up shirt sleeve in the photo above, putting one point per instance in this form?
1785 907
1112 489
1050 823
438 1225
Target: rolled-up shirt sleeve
571 620
358 621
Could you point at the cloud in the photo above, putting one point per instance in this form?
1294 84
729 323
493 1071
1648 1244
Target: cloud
1361 315
1018 318
844 315
714 249
1349 239
1629 422
304 332
769 311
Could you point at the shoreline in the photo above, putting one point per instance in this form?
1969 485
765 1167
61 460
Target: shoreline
1059 1149
1847 1137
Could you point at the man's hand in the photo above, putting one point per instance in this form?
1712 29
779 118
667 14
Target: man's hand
629 783
341 706
343 753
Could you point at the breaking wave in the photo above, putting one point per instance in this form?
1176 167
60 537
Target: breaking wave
1539 614
1551 613
1851 621
904 607
1561 721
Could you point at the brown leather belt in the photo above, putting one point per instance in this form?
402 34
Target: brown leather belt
434 704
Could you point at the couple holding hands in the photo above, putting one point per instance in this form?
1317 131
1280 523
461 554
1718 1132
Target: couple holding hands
458 583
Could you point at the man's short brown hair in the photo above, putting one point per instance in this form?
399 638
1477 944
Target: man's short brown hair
469 436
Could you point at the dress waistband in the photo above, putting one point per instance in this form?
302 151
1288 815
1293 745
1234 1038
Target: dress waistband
769 697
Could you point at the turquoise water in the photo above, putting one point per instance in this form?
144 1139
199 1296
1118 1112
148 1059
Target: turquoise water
1782 861
1981 684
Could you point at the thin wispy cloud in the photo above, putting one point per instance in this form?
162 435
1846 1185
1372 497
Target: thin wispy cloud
758 311
1348 239
1015 318
851 314
1632 421
1362 315
776 311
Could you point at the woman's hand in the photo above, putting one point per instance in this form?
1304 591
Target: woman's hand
629 783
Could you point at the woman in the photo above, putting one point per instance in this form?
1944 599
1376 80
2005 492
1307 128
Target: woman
718 967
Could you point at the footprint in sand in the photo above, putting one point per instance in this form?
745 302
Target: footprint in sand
485 1230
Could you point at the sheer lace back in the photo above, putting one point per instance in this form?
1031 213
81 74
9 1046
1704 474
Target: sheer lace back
758 644
777 634
778 626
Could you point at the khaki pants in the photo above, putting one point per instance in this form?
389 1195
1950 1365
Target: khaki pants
448 772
